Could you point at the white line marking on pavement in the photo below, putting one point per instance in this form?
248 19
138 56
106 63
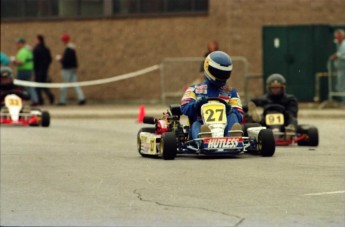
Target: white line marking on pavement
326 193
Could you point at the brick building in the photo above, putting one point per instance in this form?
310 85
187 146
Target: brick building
110 46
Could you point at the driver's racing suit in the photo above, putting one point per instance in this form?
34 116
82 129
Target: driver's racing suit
209 90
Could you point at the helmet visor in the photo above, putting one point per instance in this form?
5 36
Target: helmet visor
220 75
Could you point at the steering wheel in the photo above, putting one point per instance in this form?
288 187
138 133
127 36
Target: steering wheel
227 106
12 92
217 99
274 107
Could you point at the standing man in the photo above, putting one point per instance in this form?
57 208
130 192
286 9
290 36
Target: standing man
42 60
339 61
69 64
25 65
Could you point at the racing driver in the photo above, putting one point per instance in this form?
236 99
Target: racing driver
276 94
217 69
7 86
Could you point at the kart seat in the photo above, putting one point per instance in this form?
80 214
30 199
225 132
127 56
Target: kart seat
175 109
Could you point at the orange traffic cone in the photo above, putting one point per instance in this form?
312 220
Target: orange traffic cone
141 114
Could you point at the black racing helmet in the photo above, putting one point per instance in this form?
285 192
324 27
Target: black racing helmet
6 75
276 81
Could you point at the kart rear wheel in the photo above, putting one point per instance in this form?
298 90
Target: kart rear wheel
168 146
45 119
311 135
249 125
151 130
266 143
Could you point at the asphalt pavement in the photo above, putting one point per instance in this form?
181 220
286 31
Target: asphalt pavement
82 172
156 110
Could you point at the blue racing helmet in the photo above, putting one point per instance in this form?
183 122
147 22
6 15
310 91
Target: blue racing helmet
218 67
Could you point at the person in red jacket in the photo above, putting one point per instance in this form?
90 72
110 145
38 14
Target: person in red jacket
69 64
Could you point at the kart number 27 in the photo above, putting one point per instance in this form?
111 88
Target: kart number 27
214 115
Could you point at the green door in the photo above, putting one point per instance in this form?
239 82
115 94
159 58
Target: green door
298 52
275 51
300 76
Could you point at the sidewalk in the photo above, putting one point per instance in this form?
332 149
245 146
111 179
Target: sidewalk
156 110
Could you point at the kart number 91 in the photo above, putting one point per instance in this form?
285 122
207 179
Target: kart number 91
274 119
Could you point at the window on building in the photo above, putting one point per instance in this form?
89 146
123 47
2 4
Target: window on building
158 7
80 8
28 8
42 9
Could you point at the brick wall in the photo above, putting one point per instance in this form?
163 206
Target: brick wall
109 47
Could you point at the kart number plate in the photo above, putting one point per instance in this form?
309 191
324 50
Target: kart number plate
148 143
13 101
274 119
223 143
213 113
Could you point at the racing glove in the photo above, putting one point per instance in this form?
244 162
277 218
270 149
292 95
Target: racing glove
228 108
199 102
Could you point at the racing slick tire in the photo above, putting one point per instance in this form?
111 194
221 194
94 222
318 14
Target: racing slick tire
249 125
151 130
168 146
45 119
266 143
311 135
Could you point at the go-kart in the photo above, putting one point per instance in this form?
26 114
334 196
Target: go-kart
15 113
169 137
274 117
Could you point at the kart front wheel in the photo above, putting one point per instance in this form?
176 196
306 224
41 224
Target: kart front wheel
45 119
168 146
266 143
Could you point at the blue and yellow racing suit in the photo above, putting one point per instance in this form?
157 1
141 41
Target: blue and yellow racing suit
208 90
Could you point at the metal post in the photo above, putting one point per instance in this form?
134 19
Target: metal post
161 69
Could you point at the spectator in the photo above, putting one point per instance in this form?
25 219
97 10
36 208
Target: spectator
25 65
4 59
42 60
69 64
339 60
211 46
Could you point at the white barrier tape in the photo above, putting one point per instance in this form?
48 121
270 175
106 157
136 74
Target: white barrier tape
87 83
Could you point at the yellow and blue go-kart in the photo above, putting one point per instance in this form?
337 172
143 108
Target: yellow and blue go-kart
169 137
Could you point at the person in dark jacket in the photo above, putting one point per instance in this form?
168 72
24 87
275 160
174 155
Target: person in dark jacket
42 61
69 64
276 94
